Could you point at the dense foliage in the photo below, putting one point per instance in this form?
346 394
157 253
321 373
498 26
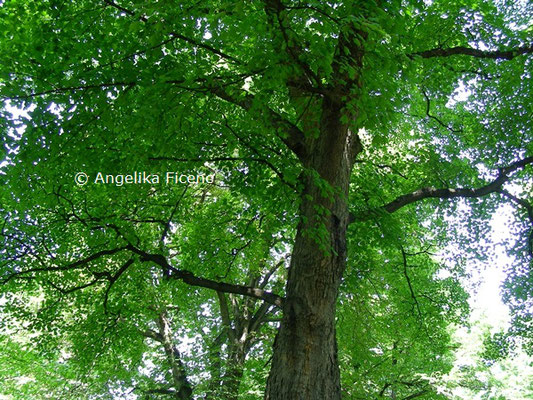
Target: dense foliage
260 137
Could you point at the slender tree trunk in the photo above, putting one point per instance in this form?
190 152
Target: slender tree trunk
240 329
183 389
233 376
215 367
305 364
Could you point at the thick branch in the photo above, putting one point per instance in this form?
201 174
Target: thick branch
431 192
151 334
185 276
224 313
190 279
294 138
468 51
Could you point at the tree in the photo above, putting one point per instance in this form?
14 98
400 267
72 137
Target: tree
325 118
488 366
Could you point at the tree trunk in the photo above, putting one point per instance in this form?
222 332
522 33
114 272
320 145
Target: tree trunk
183 389
233 376
240 329
305 364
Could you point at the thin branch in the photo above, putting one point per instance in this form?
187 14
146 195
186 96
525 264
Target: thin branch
176 35
317 10
408 279
206 47
415 395
258 154
124 10
521 202
70 89
173 212
114 278
291 135
269 273
170 392
75 265
529 208
201 160
412 292
273 10
183 275
382 391
429 115
259 317
382 166
75 288
132 55
179 374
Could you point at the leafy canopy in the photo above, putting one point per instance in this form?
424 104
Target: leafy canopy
442 104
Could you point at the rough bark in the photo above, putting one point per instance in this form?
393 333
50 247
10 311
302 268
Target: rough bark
304 363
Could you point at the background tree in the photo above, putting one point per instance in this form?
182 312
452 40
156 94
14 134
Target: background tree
318 116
